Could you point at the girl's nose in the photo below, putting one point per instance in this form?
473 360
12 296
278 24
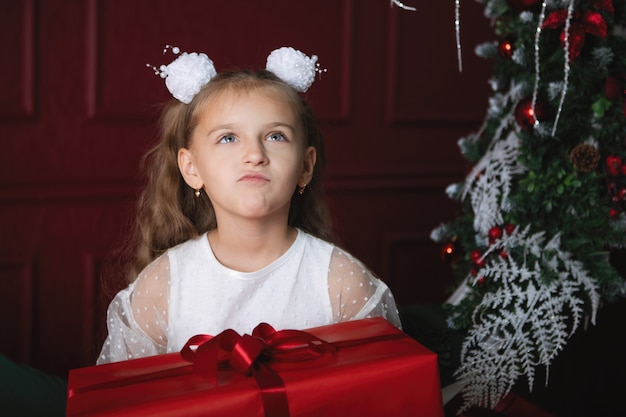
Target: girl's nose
255 152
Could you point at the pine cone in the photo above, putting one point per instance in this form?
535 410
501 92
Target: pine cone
585 157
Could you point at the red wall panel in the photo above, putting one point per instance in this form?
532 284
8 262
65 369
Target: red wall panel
78 110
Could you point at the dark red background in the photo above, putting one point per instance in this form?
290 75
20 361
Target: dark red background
78 110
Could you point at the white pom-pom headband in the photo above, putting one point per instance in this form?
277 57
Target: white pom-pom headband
187 74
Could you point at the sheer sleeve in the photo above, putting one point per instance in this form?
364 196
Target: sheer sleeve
137 316
356 293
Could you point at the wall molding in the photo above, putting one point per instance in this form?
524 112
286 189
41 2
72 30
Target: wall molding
21 269
22 106
57 193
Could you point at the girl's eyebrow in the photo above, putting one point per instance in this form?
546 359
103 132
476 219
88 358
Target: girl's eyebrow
228 126
281 124
272 125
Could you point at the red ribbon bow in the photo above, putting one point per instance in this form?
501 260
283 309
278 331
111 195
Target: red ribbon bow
249 355
591 22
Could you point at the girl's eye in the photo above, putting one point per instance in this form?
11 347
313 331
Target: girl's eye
228 139
277 137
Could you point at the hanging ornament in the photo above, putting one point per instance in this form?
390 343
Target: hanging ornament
505 49
525 116
523 5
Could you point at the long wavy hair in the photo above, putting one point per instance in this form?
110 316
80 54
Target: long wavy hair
168 211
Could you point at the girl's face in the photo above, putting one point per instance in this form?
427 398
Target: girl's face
248 152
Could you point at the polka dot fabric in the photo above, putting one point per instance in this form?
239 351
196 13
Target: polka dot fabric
187 292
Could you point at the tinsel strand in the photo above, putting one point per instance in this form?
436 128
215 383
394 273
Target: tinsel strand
542 16
566 65
457 28
402 5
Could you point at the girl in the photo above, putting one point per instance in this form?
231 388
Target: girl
232 228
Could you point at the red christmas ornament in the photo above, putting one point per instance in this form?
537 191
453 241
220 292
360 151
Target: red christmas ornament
509 228
613 213
522 5
480 280
525 116
505 49
613 87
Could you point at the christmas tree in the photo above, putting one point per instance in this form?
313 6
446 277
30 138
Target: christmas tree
544 203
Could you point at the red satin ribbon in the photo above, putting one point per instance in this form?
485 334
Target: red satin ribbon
249 355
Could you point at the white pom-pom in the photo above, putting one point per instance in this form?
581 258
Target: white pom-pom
293 67
187 74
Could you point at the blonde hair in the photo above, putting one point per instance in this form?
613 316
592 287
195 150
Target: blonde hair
168 211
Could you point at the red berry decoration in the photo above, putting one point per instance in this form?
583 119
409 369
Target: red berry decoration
614 164
475 257
494 233
613 213
480 280
509 228
505 49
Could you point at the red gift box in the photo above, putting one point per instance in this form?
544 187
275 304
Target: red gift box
362 368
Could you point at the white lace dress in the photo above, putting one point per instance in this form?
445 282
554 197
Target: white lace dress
187 291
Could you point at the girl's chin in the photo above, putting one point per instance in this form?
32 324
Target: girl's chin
261 209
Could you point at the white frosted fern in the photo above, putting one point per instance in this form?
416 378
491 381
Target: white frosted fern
526 321
489 182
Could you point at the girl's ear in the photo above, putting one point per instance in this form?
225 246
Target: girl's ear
310 156
188 169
